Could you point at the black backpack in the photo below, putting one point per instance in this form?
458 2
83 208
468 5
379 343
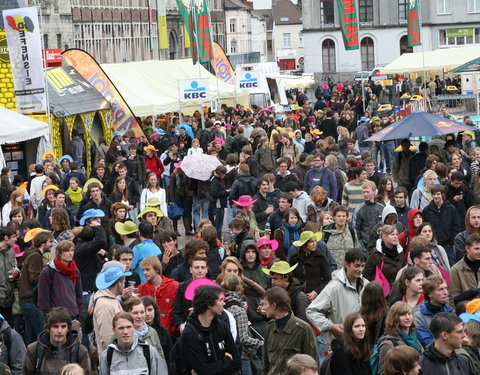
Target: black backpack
40 353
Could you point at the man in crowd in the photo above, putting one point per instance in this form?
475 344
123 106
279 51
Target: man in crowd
8 238
401 165
261 207
145 248
401 196
459 195
284 176
322 176
285 201
95 200
353 191
56 346
472 225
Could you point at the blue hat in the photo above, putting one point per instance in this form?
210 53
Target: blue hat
466 317
160 131
278 117
92 212
109 277
364 119
68 157
117 134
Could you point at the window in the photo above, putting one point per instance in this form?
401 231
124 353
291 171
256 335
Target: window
402 10
459 37
327 16
287 43
368 54
404 47
45 41
232 25
366 11
473 6
328 56
444 6
59 40
300 40
233 46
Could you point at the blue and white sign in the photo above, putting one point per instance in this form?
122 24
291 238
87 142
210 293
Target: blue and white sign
248 80
193 89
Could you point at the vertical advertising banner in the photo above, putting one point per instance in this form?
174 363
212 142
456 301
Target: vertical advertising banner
413 24
202 26
25 50
349 23
162 24
221 65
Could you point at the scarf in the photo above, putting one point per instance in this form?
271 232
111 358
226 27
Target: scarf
391 253
142 331
287 228
434 309
265 262
70 270
410 339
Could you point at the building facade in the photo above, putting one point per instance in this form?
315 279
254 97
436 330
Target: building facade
382 34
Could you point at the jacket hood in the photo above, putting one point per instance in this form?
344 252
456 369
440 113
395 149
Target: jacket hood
249 243
193 320
72 339
387 210
103 293
378 247
411 229
436 356
294 286
303 196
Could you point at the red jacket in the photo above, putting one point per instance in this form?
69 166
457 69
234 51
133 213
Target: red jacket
164 295
154 165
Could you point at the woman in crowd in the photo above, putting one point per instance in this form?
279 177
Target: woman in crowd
409 287
182 196
47 204
153 164
118 212
219 194
16 200
388 255
232 266
288 232
414 220
352 356
422 196
400 330
153 189
320 203
460 165
60 224
374 310
265 157
439 255
195 149
152 318
332 163
385 193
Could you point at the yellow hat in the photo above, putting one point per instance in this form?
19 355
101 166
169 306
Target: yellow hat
89 181
32 233
317 132
295 107
48 153
49 187
150 147
150 209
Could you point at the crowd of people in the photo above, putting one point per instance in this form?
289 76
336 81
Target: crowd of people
310 249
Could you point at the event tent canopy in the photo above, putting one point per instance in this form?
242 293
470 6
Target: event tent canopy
471 66
19 128
151 87
444 58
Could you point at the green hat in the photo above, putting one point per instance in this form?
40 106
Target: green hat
125 228
150 209
153 201
280 267
307 236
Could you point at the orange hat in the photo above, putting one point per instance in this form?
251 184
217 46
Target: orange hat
32 233
473 306
150 147
49 187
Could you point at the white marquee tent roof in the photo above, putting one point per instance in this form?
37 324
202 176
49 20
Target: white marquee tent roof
151 87
444 58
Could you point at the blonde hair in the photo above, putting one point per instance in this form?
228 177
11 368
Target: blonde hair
392 323
429 173
72 369
343 132
317 194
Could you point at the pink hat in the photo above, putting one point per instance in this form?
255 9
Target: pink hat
218 139
153 134
177 164
245 200
228 125
195 284
17 251
265 241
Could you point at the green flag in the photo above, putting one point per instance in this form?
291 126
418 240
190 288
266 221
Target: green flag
187 12
202 28
413 24
349 23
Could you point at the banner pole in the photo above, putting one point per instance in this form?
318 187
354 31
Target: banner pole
45 80
180 118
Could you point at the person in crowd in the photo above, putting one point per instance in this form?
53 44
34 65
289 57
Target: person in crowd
47 204
12 348
302 364
459 195
15 200
322 176
367 215
414 221
153 189
320 203
261 207
401 199
219 194
471 328
134 306
171 255
284 177
58 345
288 232
153 164
374 311
400 330
436 298
11 272
340 297
353 191
145 248
163 289
352 355
389 217
442 215
204 326
135 164
439 255
385 193
388 255
284 331
472 226
285 201
245 184
94 200
440 357
401 165
301 199
265 157
313 269
127 352
422 195
402 360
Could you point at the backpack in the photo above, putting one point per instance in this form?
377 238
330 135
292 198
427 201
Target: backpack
146 354
40 353
51 276
375 357
326 367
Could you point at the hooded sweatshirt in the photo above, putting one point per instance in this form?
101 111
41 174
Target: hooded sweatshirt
13 356
433 362
387 210
301 203
405 238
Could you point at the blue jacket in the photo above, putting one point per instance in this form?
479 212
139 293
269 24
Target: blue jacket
423 318
144 249
323 177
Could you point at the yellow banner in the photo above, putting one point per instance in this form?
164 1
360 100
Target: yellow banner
162 31
186 38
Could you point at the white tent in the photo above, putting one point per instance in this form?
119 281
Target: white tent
444 58
16 127
151 87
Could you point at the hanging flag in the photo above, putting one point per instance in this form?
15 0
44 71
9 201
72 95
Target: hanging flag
186 38
349 23
162 24
22 31
413 24
202 30
221 65
187 12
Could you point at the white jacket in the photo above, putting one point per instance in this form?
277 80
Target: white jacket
301 203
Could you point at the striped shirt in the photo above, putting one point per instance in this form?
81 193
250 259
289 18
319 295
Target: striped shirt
352 196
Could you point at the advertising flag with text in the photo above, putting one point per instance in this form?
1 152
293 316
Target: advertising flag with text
221 65
413 24
349 23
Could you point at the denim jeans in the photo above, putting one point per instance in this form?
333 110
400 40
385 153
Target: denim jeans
321 348
34 321
246 367
219 215
388 155
450 250
200 204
